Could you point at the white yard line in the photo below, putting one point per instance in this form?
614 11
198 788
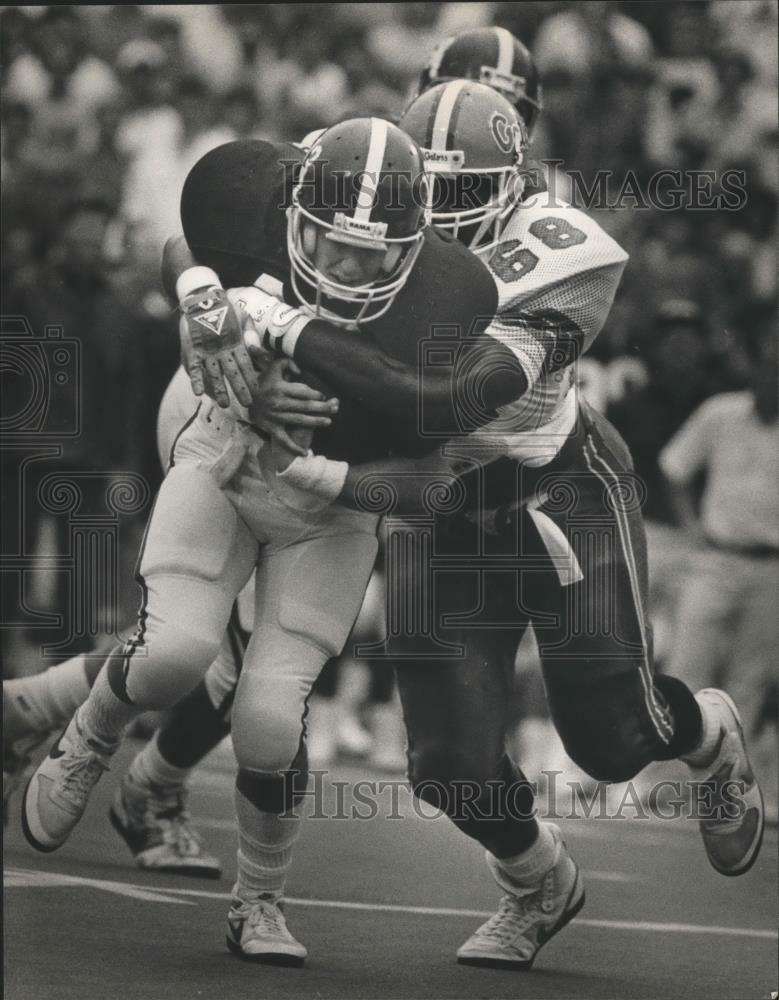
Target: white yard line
28 878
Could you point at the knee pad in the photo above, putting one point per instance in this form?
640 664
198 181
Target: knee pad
603 762
270 701
276 794
604 722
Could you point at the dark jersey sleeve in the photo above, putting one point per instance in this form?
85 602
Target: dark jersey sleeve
431 332
425 370
233 209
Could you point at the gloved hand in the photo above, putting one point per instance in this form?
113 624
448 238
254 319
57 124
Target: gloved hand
212 347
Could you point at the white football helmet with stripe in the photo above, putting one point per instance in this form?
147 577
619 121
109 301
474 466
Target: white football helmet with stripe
364 184
474 143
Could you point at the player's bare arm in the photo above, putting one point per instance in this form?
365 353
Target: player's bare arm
289 411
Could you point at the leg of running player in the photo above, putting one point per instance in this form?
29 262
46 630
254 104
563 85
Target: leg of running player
197 555
456 714
35 705
149 808
613 715
300 622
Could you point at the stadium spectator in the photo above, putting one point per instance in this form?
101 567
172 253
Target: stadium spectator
726 629
682 370
58 69
73 288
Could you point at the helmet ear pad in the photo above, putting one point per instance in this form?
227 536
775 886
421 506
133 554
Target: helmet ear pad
308 238
391 258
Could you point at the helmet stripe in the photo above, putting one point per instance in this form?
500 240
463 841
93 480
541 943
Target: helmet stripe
372 171
438 54
505 50
442 125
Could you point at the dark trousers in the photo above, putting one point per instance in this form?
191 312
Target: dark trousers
571 560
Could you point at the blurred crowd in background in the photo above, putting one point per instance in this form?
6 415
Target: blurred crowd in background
106 108
109 107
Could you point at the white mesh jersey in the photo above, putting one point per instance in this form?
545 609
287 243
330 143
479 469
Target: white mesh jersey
557 273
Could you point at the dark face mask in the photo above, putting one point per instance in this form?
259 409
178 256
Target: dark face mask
462 192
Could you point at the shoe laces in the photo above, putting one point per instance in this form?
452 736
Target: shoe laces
521 908
82 769
514 915
266 918
166 811
181 835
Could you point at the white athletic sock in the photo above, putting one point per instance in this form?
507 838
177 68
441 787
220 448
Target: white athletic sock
103 715
709 745
150 770
528 868
265 843
49 699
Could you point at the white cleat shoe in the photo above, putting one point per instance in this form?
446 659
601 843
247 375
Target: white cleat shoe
733 832
58 792
155 825
526 918
257 931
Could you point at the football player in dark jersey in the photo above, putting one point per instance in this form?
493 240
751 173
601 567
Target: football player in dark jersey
575 523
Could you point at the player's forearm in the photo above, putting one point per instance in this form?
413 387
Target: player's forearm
360 369
403 480
176 258
402 483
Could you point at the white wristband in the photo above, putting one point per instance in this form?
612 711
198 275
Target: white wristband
284 326
196 277
316 474
277 324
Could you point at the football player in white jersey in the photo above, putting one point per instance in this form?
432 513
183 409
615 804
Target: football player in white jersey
557 491
560 493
